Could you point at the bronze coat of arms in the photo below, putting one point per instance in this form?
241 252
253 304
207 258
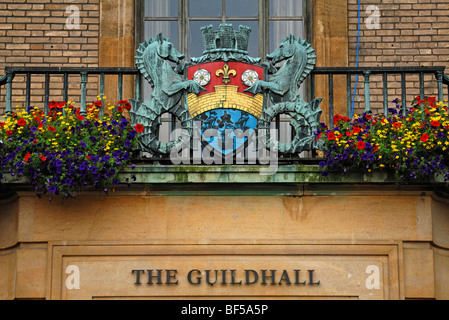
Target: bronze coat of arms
227 92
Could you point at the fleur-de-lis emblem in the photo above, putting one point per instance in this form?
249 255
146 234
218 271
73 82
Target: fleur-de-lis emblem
226 73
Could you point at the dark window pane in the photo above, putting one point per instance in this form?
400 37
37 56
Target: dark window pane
285 8
161 8
196 40
253 46
169 30
205 8
196 37
242 8
279 30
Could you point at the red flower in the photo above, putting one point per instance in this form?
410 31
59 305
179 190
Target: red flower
425 137
361 145
139 128
9 133
435 123
56 105
43 158
50 128
376 148
21 122
80 117
27 157
338 118
397 125
357 130
125 104
331 136
88 158
98 103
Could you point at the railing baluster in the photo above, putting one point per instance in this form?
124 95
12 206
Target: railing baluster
421 91
404 94
83 110
385 92
47 94
120 86
8 107
102 94
65 90
440 85
348 94
138 88
367 91
66 87
421 85
28 90
331 99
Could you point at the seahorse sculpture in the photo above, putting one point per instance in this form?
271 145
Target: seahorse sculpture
168 88
283 89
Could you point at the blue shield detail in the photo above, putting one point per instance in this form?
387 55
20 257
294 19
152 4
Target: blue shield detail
226 130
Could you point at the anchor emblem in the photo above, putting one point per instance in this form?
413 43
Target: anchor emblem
226 73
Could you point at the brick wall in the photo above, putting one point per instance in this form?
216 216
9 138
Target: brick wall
410 33
34 33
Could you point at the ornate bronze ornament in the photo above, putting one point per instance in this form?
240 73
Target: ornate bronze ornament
226 90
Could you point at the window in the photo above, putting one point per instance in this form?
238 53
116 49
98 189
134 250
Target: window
181 20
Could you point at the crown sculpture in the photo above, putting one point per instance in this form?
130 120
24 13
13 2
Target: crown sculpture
226 89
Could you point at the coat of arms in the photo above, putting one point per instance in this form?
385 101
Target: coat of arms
227 92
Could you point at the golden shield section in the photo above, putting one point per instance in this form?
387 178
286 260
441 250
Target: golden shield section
225 97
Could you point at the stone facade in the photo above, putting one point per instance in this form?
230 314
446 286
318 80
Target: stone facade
228 233
303 237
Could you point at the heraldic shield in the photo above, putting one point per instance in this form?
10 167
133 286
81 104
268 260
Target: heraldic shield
226 95
226 114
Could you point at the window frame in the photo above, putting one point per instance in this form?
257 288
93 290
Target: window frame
184 19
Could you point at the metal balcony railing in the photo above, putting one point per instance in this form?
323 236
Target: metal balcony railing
364 75
82 73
